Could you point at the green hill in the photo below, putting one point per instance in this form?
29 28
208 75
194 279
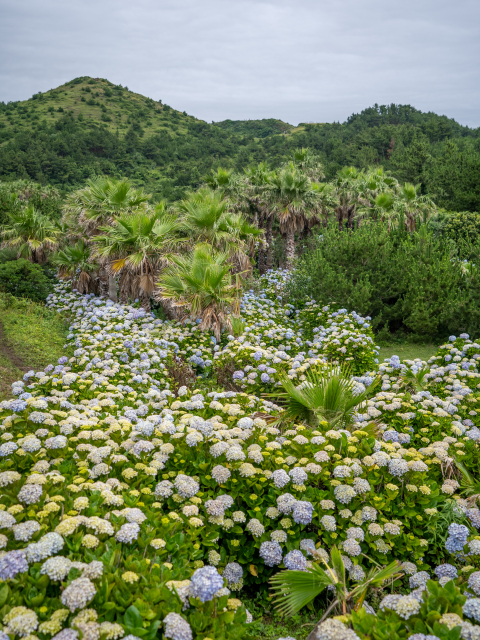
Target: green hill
90 126
256 128
92 100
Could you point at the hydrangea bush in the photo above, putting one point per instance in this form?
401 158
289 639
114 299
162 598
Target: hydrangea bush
433 609
131 509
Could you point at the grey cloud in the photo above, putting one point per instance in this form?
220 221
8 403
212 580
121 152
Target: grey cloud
298 60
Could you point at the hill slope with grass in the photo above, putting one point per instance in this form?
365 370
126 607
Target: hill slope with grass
89 126
92 100
31 336
257 128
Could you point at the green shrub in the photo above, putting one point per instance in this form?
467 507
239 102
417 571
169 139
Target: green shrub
24 279
439 612
415 284
463 225
6 255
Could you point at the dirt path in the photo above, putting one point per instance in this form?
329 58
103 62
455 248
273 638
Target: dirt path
7 351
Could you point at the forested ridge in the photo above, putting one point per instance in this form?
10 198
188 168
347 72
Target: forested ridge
89 127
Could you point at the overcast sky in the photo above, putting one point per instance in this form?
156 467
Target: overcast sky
297 60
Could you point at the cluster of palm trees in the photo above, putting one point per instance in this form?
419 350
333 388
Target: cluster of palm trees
193 255
112 241
292 197
375 195
295 198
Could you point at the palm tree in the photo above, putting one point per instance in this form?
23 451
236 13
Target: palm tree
328 394
75 262
31 233
137 246
294 202
347 187
202 284
413 206
309 164
374 181
296 589
326 202
247 236
206 217
202 213
99 203
227 181
377 194
256 201
381 208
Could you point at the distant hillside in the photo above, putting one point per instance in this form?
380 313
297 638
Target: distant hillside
256 128
92 100
89 126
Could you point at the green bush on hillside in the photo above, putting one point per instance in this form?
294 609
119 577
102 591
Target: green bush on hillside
8 254
462 226
414 284
24 279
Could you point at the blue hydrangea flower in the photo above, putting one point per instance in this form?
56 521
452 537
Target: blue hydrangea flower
205 582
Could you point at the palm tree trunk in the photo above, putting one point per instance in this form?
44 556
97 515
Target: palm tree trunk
350 217
269 239
261 247
172 313
103 283
339 215
261 259
145 302
123 284
112 288
290 252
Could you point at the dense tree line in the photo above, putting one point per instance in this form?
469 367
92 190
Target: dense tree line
422 148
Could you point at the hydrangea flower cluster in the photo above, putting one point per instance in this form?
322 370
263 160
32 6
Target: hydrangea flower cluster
178 498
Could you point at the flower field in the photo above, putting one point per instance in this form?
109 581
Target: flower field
135 507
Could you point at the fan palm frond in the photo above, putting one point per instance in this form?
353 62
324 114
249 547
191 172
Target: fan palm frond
295 589
141 243
75 262
328 394
415 380
469 485
206 217
101 201
31 233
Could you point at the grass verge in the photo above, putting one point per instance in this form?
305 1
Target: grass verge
31 337
407 351
271 626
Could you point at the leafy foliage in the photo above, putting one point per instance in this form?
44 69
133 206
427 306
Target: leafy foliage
405 282
201 282
460 226
440 614
327 396
89 127
23 279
